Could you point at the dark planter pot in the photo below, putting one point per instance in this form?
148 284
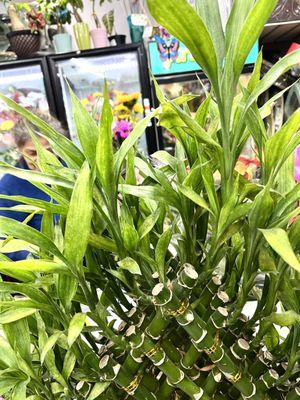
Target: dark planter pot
117 40
24 43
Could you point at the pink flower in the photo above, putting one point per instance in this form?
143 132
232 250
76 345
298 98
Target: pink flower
122 129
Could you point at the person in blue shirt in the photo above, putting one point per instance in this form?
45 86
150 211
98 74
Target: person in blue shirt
13 186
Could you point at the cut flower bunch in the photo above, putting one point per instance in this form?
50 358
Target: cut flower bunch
140 291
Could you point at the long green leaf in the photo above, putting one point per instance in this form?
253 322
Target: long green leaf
35 266
279 241
98 389
209 11
63 145
86 128
181 23
252 28
105 157
76 325
282 66
43 205
15 314
276 147
7 355
195 197
35 176
13 228
149 223
129 264
79 218
50 343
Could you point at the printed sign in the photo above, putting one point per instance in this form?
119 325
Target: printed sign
169 56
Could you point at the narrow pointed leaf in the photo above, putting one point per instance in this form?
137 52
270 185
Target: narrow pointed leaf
209 11
76 325
86 128
50 344
252 28
98 389
15 314
132 139
181 23
64 145
13 228
130 265
105 158
79 218
195 197
35 176
279 241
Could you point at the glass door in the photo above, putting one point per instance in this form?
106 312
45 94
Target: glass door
178 88
25 85
86 76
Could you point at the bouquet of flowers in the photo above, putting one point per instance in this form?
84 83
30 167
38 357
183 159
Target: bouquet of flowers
127 112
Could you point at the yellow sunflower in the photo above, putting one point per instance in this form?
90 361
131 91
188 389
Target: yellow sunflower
138 108
121 107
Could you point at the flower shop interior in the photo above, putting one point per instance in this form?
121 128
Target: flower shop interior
149 224
82 43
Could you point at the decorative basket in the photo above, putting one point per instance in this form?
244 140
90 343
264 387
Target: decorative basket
24 43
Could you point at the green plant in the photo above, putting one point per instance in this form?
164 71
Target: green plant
96 19
109 20
55 12
139 292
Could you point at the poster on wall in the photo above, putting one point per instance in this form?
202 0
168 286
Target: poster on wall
169 56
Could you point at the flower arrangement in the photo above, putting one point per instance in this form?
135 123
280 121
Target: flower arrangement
127 110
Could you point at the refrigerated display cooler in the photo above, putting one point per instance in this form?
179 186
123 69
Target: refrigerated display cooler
125 70
27 83
177 73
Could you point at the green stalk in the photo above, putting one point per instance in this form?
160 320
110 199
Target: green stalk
203 339
112 371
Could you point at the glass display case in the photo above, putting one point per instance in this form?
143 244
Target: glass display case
126 73
25 82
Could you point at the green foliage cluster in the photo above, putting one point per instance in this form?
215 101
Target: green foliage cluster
139 292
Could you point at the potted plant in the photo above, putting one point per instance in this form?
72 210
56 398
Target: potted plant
109 22
137 16
57 13
99 35
142 290
25 37
81 29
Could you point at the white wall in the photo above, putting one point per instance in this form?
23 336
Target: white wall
120 16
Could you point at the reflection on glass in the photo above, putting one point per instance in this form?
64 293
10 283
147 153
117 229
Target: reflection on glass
247 164
25 85
176 89
86 76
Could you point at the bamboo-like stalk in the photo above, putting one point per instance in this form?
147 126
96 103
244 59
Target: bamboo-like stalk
203 339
